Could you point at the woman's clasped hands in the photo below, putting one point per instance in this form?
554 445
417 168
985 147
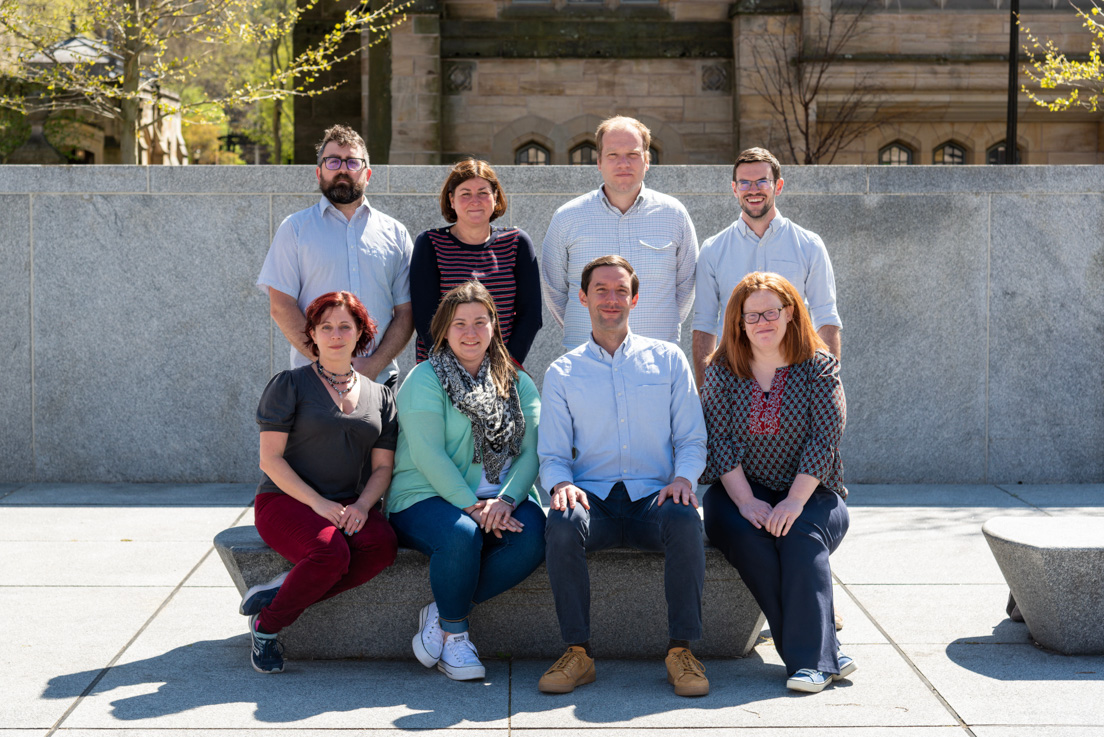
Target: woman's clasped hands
494 515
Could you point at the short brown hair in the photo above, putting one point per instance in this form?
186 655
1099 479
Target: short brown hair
317 309
753 155
461 172
343 135
621 121
798 344
502 369
610 260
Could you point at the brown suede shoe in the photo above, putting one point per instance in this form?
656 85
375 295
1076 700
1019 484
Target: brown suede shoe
574 668
686 673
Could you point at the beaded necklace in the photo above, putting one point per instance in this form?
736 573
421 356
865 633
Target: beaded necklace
334 379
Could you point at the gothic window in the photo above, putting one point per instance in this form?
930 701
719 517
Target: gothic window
949 154
895 154
532 154
584 153
996 154
653 156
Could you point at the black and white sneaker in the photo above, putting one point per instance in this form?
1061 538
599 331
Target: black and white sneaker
267 654
261 595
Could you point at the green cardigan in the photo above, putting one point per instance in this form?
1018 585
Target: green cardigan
434 454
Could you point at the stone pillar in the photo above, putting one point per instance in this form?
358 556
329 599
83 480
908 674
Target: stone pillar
416 87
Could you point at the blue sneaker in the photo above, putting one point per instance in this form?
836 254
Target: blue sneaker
846 665
267 655
808 680
261 595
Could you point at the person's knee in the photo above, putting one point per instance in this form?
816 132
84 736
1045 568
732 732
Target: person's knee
681 519
564 529
464 537
332 553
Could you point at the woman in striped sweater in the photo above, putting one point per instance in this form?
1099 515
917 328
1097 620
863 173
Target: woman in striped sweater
502 259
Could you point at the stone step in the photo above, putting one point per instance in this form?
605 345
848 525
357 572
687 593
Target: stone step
628 609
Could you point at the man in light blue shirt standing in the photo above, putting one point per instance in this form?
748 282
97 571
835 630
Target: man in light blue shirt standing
651 230
761 240
342 244
622 444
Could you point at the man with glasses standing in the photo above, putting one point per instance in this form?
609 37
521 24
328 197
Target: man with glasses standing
761 240
342 244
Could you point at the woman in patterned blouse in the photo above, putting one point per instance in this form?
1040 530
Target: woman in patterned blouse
775 410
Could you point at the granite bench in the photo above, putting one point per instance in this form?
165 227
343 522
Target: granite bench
628 609
1055 569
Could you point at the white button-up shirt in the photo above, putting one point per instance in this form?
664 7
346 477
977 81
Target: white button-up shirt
317 250
633 416
786 248
656 236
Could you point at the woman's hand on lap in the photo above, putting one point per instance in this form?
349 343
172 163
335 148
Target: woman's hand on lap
328 510
782 517
756 511
354 518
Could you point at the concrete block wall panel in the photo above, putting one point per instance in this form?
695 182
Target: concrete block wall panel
971 299
16 448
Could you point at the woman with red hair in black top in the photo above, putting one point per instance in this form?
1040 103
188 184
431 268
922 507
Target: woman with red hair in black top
502 259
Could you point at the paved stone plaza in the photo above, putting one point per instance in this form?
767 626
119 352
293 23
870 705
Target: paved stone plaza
119 620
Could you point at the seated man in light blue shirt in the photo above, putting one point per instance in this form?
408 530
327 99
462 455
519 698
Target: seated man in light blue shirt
761 240
622 444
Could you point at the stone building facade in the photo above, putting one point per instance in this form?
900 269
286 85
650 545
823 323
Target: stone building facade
527 81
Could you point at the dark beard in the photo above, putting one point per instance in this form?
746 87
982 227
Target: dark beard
342 191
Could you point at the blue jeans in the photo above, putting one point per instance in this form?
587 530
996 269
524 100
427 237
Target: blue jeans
789 576
617 521
467 566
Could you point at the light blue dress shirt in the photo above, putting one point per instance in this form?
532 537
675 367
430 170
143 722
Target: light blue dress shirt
656 236
634 417
317 250
786 248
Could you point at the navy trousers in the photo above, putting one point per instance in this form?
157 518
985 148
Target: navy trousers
617 521
789 576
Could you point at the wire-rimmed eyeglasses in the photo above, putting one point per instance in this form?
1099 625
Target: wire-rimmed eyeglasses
744 185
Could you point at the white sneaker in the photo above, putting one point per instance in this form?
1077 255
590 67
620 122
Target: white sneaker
427 641
460 659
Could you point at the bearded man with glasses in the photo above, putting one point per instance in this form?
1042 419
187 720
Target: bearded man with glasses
342 244
761 240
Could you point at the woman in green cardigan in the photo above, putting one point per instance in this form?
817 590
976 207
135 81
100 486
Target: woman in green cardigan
462 491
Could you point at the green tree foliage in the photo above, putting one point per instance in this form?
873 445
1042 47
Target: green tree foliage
136 48
1082 82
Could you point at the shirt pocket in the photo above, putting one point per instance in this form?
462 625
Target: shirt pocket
654 261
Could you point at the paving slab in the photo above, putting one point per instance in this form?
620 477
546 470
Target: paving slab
113 524
98 563
1004 730
919 545
212 574
940 614
759 732
1014 684
857 627
747 692
52 631
190 669
930 495
129 495
358 730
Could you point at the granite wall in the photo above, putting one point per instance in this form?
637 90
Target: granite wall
135 345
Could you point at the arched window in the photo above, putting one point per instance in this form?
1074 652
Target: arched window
895 154
584 153
996 153
531 154
653 156
949 154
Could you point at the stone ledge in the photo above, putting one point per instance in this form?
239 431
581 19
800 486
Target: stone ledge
628 609
1055 569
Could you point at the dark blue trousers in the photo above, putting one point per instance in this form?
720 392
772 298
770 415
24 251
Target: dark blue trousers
789 576
617 521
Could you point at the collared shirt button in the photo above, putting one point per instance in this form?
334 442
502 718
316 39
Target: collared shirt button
622 419
624 446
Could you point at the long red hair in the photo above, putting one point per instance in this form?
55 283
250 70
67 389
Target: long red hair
798 344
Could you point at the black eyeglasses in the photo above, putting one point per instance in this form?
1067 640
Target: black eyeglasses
770 315
333 163
744 185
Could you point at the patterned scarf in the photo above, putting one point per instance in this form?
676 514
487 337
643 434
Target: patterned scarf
497 424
